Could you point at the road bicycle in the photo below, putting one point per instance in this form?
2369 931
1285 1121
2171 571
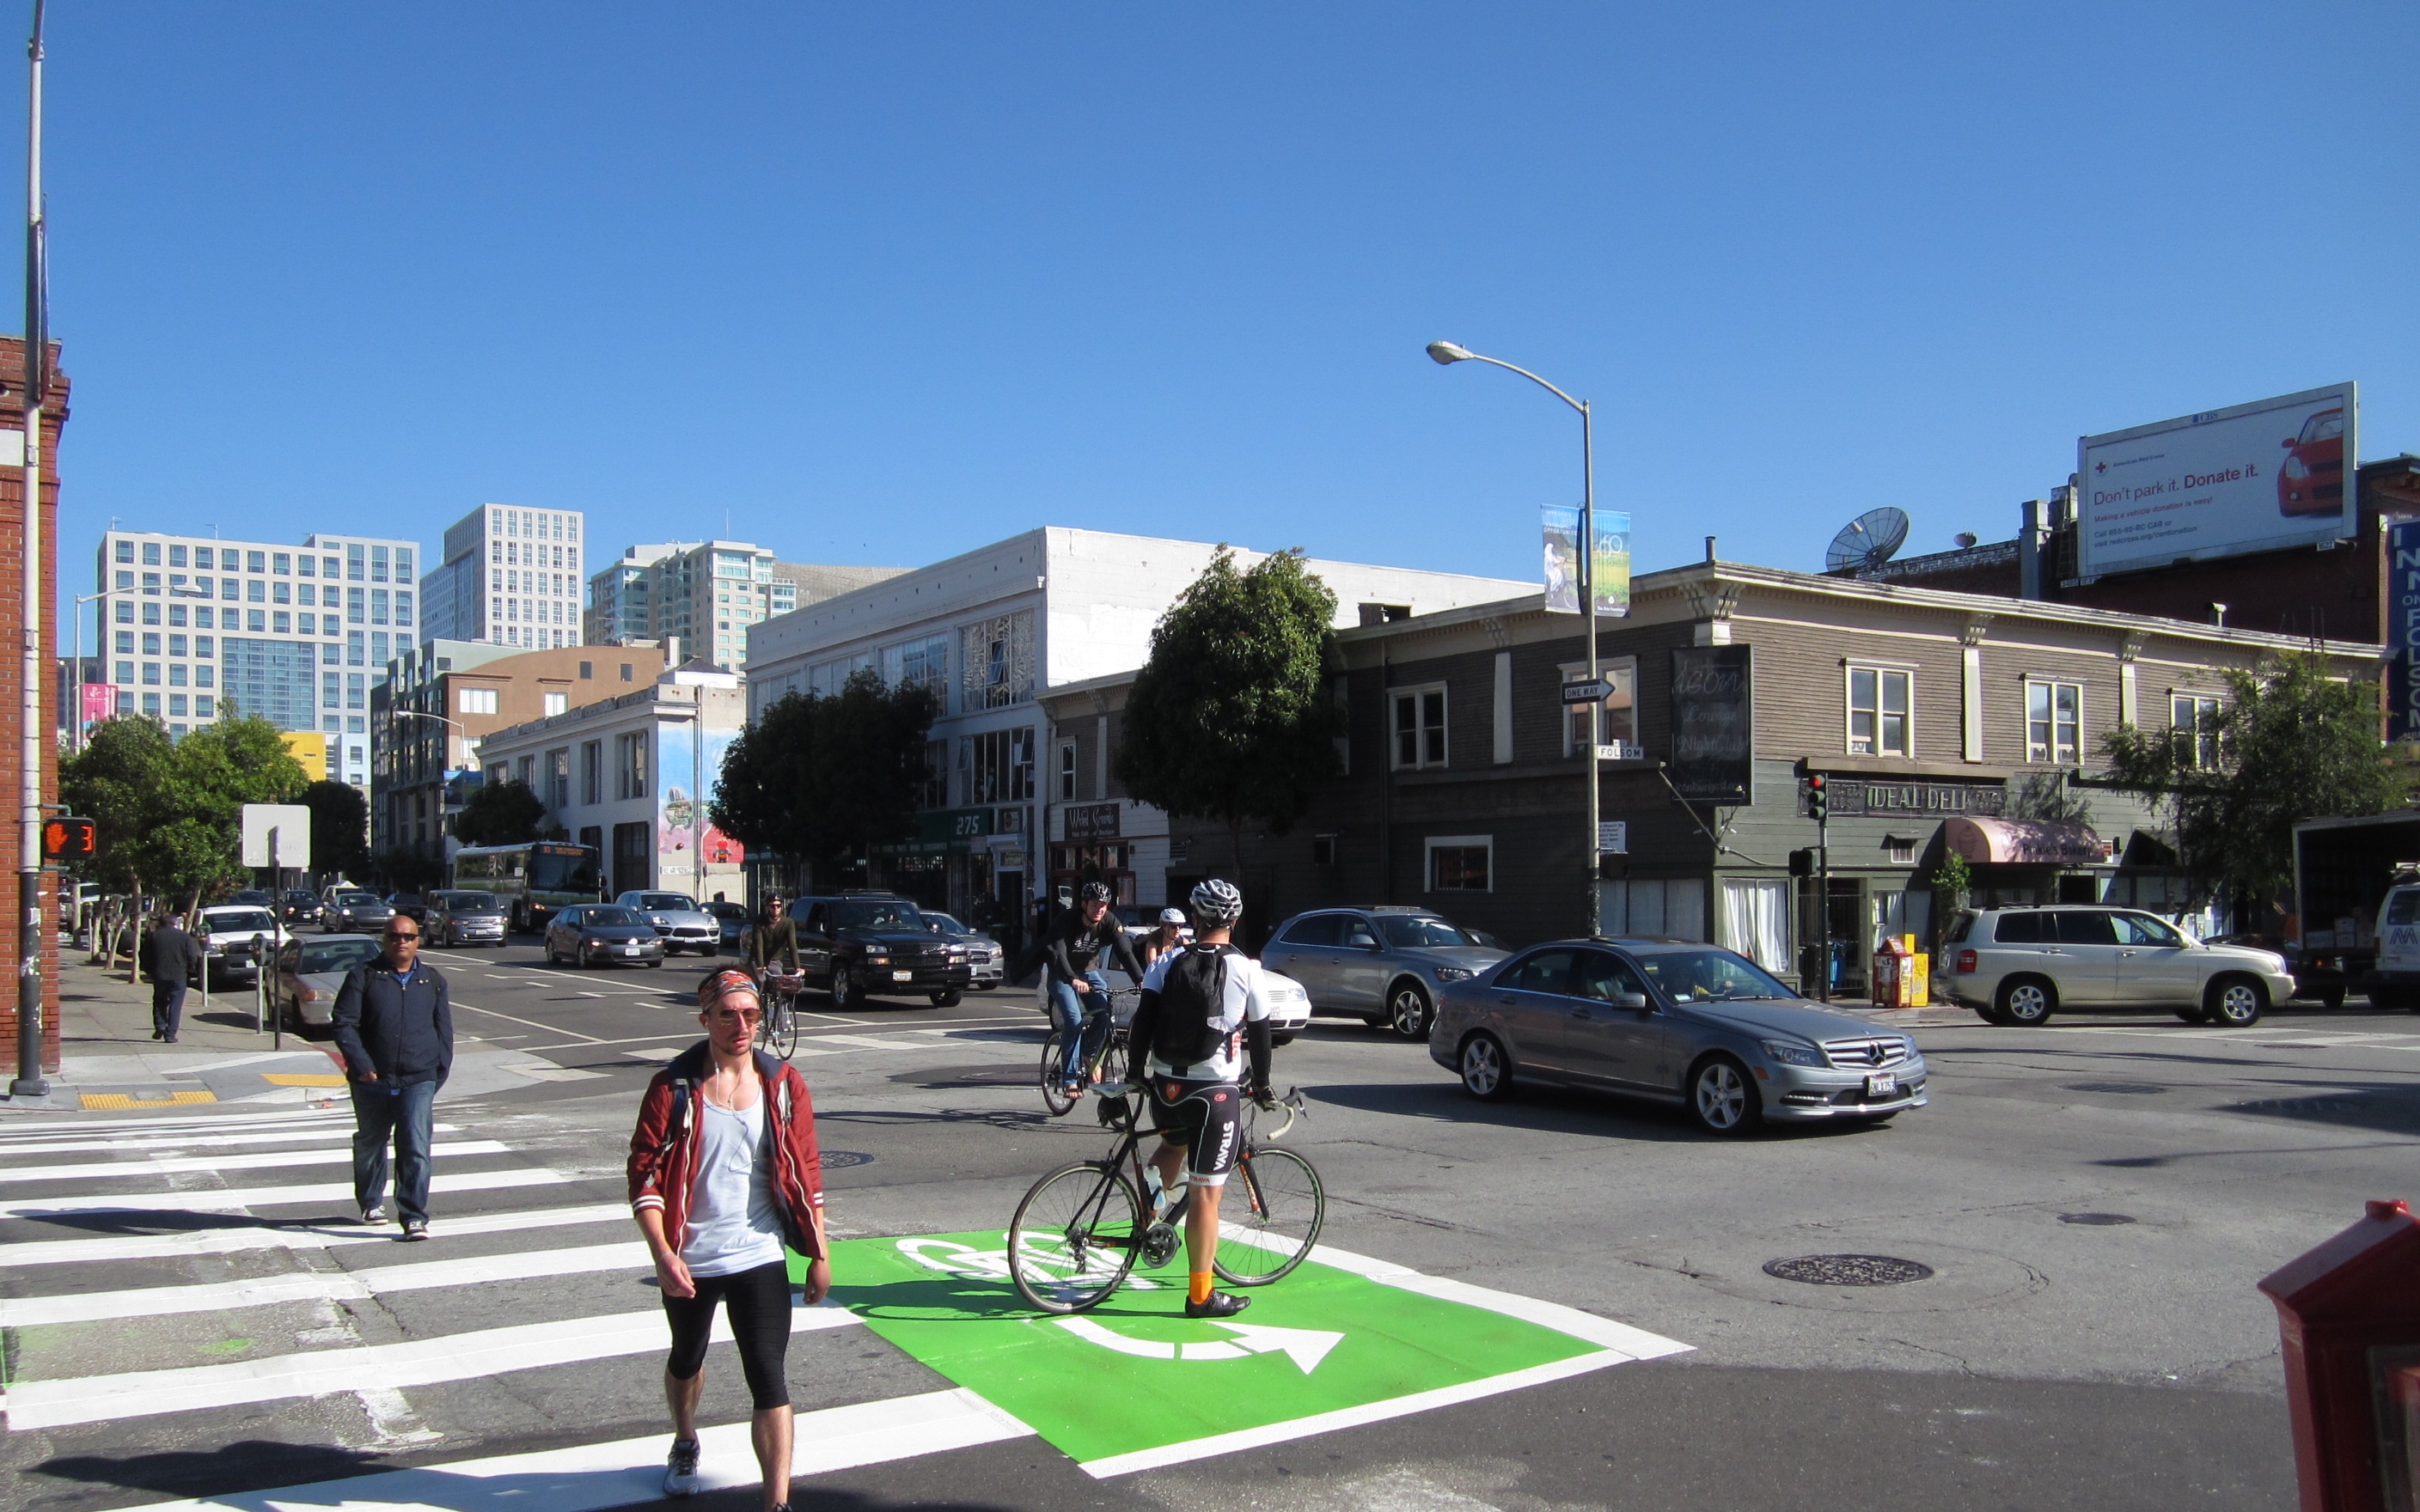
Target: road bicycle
1108 1067
781 999
1082 1228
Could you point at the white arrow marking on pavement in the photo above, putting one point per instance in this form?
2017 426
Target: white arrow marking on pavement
1304 1346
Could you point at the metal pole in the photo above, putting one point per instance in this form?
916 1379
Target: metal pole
29 1082
277 935
1822 911
1591 907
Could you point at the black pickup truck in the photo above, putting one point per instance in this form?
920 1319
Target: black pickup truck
859 945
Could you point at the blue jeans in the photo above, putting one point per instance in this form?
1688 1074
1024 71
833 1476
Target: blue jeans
405 1111
1083 1020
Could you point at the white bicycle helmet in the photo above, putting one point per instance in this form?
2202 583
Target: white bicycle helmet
1171 916
1217 904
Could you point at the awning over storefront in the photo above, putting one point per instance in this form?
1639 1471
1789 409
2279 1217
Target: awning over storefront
2023 841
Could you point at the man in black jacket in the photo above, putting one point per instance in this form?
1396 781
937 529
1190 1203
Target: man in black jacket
171 959
1080 995
395 1025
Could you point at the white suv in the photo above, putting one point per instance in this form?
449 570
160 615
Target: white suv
2018 965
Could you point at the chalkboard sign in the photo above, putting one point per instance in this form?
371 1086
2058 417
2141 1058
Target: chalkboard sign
1713 724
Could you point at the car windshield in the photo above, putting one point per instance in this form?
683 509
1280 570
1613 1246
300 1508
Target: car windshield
1412 932
354 900
675 902
300 897
474 902
572 872
877 913
605 918
725 910
220 920
1708 976
945 923
343 954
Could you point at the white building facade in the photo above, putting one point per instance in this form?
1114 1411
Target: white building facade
511 575
991 631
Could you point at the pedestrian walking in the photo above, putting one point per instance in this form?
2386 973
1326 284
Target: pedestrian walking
395 1025
723 1173
172 959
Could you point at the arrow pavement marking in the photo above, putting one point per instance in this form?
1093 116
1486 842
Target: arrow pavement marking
1304 1346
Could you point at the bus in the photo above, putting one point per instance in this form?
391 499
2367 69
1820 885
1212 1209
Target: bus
533 880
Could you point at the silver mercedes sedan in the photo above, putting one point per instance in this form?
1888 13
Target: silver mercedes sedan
1676 1022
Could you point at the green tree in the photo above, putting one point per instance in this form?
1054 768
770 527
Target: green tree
2293 742
828 777
340 821
1230 718
170 812
409 871
500 814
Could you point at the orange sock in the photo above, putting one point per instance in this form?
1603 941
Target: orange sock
1200 1288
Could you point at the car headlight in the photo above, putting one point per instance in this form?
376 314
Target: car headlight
591 943
1786 1053
1454 973
2296 469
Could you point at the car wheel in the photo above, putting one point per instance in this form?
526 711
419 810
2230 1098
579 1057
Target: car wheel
844 988
1722 1098
2026 1001
1486 1070
949 997
2333 999
2234 1002
1408 1012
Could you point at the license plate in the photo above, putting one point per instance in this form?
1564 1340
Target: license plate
631 950
1881 1083
902 975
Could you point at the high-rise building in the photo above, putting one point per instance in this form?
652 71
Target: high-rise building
192 627
511 577
707 593
622 596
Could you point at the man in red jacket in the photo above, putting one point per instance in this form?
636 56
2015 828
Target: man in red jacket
723 1174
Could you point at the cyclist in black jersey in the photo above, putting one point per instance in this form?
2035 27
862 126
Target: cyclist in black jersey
1080 995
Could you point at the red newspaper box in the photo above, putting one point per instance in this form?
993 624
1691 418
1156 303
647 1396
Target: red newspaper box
2349 1316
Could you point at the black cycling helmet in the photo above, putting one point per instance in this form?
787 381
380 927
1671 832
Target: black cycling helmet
1217 904
1095 893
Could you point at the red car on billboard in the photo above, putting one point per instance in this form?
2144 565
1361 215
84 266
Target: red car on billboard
2312 480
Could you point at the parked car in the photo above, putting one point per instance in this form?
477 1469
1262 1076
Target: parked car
2020 965
236 939
1383 964
354 912
986 962
464 916
300 906
590 934
252 897
302 990
1674 1022
677 919
410 905
734 921
858 944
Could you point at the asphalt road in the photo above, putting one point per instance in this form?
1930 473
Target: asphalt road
2094 1199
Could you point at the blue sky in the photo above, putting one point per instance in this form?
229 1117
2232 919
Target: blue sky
886 283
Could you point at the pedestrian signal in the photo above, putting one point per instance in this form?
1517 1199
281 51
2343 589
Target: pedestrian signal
68 839
1802 863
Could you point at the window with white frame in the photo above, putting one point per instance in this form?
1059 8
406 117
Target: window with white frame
1066 769
2194 719
1618 720
475 700
1461 863
1418 722
1881 704
2054 722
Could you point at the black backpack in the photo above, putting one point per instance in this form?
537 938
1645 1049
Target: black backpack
1191 998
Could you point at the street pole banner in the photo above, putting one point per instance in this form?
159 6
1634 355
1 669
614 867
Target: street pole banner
2403 629
1560 527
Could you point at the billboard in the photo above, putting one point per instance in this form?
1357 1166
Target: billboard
100 702
1559 524
2252 478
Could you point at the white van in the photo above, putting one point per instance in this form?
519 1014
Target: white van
2397 984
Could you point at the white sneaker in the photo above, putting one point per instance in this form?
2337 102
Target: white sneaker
680 1469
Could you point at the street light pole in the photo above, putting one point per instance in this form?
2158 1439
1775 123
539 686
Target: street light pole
1442 353
75 679
29 1081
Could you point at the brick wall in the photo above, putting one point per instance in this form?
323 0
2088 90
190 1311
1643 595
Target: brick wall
12 622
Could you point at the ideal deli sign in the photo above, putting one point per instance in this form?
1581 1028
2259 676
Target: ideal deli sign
1937 800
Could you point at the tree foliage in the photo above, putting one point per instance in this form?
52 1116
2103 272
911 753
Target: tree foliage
2293 743
826 777
340 821
169 811
1230 718
500 814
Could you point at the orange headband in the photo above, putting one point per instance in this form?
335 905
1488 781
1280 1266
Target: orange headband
720 984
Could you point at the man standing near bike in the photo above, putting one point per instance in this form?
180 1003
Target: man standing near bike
1203 1008
1080 995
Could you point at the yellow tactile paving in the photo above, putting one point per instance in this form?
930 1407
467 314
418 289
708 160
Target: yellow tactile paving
302 1078
118 1102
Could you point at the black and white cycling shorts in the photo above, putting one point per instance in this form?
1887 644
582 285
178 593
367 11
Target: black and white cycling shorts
1206 1117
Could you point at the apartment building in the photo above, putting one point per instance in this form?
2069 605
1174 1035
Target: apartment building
707 593
511 575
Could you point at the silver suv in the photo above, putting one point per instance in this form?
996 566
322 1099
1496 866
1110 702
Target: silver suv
2018 965
1382 964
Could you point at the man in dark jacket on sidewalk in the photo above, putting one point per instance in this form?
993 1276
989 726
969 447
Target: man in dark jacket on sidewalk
395 1025
171 959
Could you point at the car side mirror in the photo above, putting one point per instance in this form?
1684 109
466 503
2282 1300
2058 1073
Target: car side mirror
1630 999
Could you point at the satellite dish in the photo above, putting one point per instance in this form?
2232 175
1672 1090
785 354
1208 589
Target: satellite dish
1868 541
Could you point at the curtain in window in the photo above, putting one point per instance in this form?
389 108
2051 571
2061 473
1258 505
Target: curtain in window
1755 920
1673 909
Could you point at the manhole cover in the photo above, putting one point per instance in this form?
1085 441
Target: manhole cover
2121 1088
841 1159
1848 1270
2095 1220
944 1078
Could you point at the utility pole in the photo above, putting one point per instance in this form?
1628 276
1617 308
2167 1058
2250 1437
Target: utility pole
29 1081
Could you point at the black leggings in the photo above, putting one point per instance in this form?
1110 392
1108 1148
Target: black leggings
758 1301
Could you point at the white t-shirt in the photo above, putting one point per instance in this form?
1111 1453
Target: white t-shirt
732 1224
1245 1001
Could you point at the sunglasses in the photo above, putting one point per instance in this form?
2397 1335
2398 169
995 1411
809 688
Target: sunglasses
394 936
745 1015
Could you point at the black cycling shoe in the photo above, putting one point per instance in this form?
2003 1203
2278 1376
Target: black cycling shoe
1221 1304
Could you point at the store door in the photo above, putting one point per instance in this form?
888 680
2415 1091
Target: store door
631 870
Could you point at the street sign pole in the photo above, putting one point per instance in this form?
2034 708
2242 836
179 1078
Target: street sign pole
29 1081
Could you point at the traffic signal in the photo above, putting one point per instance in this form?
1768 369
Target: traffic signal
1802 863
1819 803
69 839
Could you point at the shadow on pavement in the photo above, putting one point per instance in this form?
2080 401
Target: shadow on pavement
252 1464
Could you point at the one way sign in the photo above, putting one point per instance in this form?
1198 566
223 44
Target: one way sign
1596 692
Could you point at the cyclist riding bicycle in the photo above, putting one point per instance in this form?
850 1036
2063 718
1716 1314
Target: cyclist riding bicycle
1171 935
1080 995
1203 1007
774 942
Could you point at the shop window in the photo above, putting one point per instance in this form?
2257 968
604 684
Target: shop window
2194 719
1618 719
1880 722
1066 769
1461 863
1417 724
2054 722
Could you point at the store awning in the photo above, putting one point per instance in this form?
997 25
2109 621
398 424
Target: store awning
2023 841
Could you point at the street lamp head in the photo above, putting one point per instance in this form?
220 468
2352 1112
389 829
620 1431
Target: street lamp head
1443 352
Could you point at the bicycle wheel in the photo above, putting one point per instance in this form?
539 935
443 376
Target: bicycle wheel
1073 1239
1272 1228
1054 1074
1109 1066
781 1028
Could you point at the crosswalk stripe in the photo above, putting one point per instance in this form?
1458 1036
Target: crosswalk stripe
591 1478
260 1196
268 1118
259 1160
47 1404
232 1241
314 1285
287 1137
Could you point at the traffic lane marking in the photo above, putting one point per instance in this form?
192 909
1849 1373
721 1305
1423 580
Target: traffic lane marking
533 1024
262 1196
258 1160
593 1476
295 1236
